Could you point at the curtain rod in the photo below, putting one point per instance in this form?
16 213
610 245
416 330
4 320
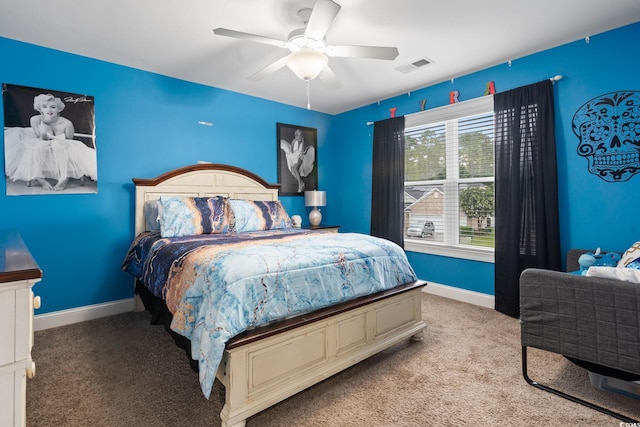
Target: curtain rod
553 80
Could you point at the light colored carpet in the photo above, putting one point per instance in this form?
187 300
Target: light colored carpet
122 371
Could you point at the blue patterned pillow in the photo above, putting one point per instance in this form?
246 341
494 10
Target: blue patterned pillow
255 215
192 216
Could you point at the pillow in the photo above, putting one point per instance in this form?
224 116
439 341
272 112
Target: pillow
255 215
192 216
152 215
628 274
631 258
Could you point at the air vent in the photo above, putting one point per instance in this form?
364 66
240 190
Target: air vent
414 65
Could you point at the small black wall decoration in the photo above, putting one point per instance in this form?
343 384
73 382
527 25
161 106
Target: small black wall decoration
608 127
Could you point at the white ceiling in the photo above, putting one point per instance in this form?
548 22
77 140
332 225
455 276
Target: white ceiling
175 38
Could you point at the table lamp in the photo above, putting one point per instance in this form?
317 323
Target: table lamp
315 198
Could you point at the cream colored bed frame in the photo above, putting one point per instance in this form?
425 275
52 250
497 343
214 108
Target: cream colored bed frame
261 370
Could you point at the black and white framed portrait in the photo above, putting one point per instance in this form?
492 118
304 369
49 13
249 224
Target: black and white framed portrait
49 141
297 159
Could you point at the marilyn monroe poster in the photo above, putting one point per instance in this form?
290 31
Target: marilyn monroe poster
49 141
297 159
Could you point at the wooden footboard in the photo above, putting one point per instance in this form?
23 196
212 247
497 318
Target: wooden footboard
260 370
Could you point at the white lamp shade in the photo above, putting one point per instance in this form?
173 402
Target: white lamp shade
307 63
315 198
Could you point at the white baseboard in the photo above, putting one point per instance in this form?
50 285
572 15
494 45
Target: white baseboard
451 292
80 314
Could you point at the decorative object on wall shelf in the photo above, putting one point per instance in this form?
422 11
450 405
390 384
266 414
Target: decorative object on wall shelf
315 199
392 111
423 102
297 159
490 89
453 97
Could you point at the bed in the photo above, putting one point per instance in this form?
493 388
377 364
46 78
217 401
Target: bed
269 356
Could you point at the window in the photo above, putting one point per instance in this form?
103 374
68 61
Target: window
449 180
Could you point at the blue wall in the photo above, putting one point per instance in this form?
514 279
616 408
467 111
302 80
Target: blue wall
593 213
146 124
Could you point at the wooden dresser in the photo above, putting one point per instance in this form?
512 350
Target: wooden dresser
18 273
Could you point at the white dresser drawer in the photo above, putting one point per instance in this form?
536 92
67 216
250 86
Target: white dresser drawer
18 274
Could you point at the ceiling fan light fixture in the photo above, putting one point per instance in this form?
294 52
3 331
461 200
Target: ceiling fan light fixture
306 64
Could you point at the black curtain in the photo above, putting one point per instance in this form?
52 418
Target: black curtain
527 222
387 186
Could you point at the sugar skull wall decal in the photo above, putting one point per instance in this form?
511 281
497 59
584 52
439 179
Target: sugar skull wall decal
608 127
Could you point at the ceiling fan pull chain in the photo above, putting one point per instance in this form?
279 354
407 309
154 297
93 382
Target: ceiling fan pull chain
308 82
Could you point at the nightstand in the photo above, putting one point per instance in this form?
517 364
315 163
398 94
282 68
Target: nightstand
327 228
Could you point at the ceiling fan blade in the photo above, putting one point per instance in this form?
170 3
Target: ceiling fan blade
373 52
328 78
251 37
322 15
269 69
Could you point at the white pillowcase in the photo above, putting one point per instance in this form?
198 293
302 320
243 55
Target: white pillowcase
627 274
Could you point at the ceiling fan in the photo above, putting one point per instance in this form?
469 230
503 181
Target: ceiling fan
309 51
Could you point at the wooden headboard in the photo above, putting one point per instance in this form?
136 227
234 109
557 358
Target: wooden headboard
201 180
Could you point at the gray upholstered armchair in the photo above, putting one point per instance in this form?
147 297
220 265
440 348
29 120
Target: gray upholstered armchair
594 322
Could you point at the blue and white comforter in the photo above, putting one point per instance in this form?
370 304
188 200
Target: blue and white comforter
218 286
